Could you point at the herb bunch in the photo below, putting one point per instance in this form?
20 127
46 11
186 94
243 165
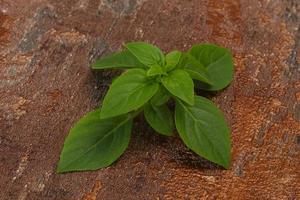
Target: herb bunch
152 79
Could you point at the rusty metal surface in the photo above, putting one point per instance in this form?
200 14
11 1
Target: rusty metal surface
46 85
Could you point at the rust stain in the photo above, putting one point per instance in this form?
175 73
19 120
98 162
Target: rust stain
93 194
223 20
55 94
4 32
298 96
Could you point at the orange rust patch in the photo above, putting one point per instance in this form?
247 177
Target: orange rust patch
55 94
298 96
223 19
4 33
93 194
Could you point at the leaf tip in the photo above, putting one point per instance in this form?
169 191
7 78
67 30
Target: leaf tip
93 66
60 169
226 161
226 165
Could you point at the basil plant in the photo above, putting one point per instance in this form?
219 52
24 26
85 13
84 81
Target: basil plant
150 80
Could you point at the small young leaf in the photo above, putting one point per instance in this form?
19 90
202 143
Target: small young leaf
218 62
161 96
180 84
203 129
155 70
146 53
95 143
172 60
123 59
159 118
128 92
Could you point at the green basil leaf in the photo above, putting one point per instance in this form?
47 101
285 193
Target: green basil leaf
195 69
180 84
155 70
95 143
123 59
218 62
172 59
161 97
203 129
128 92
159 118
146 53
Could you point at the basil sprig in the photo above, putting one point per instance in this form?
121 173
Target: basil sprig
150 80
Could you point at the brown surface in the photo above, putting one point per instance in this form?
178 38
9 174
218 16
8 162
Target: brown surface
46 85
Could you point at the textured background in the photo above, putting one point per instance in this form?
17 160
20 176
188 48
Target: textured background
46 47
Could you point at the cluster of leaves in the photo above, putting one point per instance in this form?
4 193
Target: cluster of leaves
151 80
